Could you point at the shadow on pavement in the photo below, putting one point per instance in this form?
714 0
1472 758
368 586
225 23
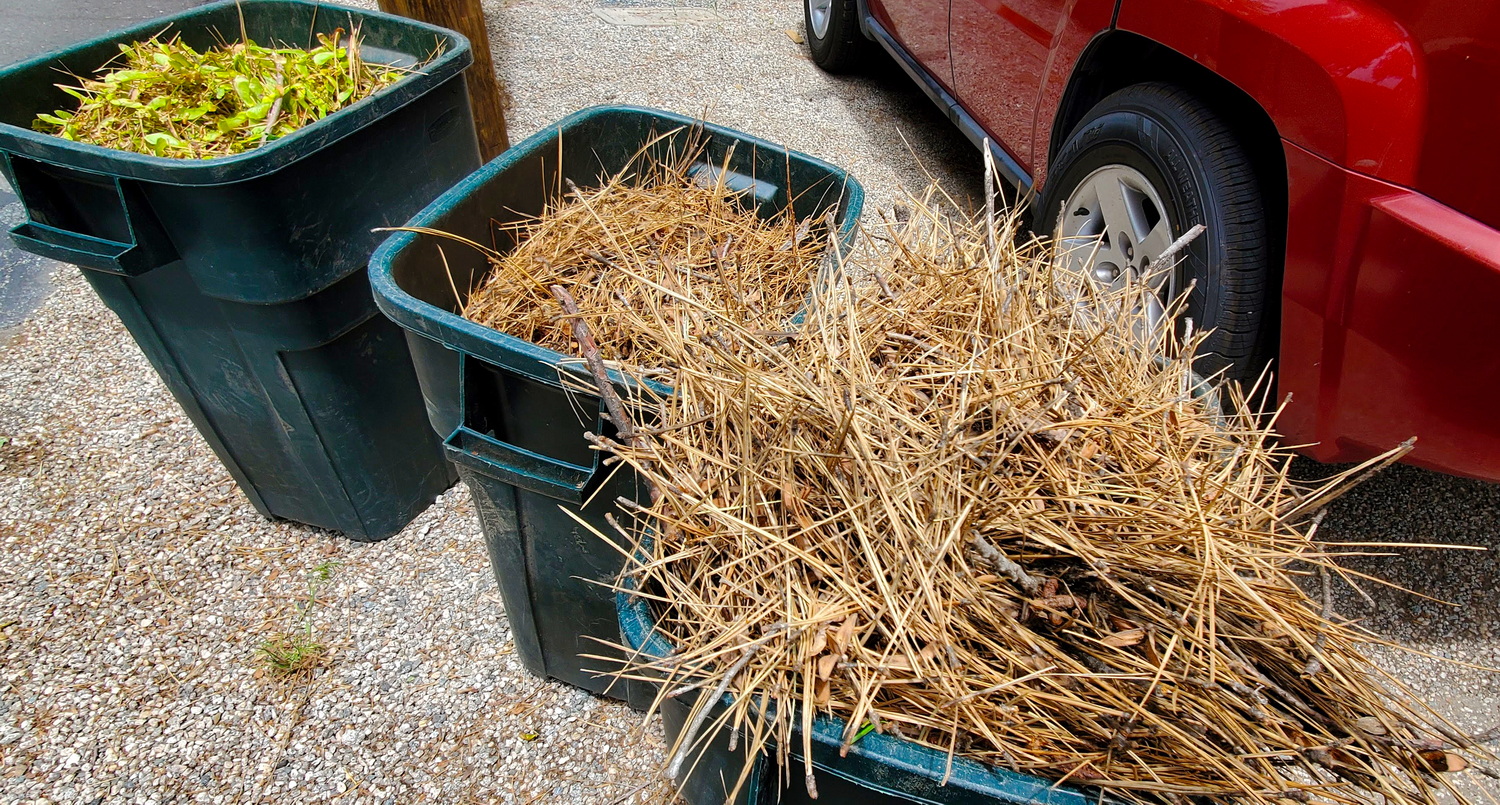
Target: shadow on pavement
950 157
1405 505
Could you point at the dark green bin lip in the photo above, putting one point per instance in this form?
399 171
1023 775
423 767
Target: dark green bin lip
988 784
276 154
458 333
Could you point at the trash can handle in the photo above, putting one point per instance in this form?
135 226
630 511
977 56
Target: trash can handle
519 467
82 250
147 249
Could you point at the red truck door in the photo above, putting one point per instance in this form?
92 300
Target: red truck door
999 55
1011 59
921 26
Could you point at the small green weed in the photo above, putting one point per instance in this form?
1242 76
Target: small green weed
297 654
293 656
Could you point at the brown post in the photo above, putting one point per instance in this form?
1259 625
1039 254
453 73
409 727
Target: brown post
467 17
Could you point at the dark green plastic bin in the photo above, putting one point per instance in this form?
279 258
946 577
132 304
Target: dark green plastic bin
511 426
878 770
243 278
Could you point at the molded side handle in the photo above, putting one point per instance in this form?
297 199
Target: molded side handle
129 259
519 467
42 188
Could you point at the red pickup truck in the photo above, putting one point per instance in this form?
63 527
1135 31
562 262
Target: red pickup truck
1343 154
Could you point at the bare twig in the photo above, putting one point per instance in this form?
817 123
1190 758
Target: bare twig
1170 253
705 706
1005 566
590 350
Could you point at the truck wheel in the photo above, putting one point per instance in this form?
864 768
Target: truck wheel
833 36
1143 167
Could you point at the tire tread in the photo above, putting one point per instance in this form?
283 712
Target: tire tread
842 49
1239 242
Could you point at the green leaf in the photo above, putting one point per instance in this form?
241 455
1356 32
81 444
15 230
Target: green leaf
160 141
248 89
127 76
163 138
258 111
868 728
198 111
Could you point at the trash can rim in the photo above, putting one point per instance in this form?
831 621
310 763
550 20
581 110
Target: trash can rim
639 632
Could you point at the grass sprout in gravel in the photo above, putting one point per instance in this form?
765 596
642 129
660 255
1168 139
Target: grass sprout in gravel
298 654
169 100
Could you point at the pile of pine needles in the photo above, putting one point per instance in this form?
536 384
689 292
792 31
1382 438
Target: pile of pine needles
634 251
169 100
969 504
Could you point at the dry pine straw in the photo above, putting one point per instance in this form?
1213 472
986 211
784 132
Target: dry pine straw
631 250
965 505
968 507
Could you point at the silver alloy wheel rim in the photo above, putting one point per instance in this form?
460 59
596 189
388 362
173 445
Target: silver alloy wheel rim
819 12
1112 229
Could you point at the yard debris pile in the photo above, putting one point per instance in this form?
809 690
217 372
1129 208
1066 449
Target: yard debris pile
168 99
965 501
632 252
968 505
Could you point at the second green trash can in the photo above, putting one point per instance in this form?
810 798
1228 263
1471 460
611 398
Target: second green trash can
511 422
243 278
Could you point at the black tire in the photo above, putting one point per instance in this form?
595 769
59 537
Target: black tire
1203 175
839 49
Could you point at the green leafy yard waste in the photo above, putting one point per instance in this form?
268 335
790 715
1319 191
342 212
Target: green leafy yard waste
170 100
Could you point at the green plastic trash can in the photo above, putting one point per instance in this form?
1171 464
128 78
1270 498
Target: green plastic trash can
243 278
510 424
878 770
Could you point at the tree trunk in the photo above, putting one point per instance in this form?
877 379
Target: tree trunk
485 95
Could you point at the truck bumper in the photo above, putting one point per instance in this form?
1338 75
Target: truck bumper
1390 305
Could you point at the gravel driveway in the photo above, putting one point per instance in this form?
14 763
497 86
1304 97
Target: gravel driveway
136 582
